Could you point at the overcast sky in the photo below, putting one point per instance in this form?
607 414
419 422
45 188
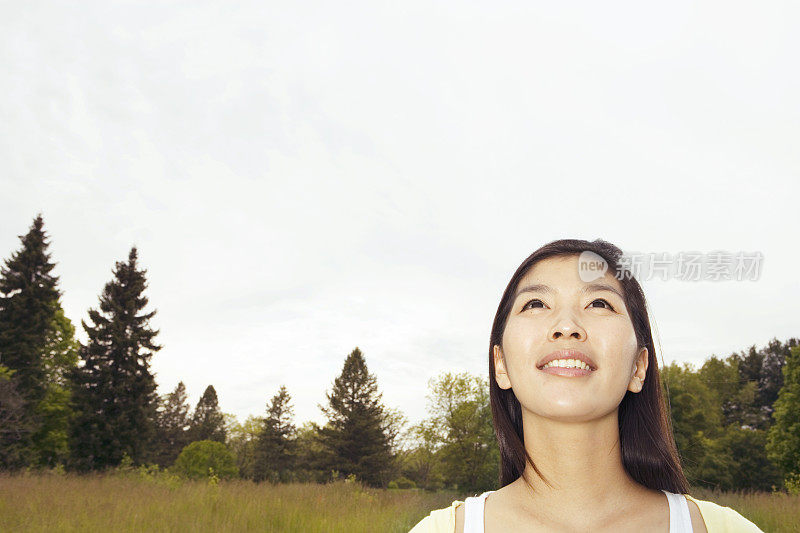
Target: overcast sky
303 178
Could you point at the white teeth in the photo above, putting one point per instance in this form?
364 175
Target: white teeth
568 363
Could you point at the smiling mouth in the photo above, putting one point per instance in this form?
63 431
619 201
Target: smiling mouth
567 357
571 369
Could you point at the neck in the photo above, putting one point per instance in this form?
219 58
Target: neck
582 461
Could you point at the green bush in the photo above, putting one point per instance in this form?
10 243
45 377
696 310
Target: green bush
405 483
197 458
392 485
792 483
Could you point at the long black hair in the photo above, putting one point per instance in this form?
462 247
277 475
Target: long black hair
649 453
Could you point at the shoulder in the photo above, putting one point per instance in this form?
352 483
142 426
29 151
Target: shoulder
719 519
439 520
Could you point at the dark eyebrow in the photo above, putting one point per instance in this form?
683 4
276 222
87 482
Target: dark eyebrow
591 287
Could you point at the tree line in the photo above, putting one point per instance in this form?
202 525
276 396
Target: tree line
93 406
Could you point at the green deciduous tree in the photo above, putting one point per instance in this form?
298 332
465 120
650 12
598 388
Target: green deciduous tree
242 441
722 379
60 356
752 469
15 426
460 425
311 464
697 425
783 439
51 438
420 461
203 458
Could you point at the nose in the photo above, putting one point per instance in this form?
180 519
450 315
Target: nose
567 327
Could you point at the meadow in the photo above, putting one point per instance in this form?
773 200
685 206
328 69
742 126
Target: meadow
143 501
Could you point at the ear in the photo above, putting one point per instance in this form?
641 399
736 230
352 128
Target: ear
500 371
639 371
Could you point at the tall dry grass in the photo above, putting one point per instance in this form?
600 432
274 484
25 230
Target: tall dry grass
142 501
771 512
98 502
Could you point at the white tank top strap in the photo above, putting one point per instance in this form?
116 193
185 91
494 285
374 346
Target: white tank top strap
473 513
680 521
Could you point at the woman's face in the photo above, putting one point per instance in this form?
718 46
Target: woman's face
572 314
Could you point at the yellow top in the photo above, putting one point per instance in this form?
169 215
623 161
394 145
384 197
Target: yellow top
718 519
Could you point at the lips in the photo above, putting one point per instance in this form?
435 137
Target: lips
566 354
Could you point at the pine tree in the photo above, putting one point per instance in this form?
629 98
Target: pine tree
275 449
356 438
750 364
208 422
771 378
114 392
28 305
173 426
37 342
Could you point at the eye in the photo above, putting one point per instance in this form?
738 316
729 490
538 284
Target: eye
532 301
605 302
536 300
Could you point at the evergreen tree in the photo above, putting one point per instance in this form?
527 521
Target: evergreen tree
114 392
753 414
357 437
37 341
276 445
208 422
783 439
771 377
173 426
763 369
29 299
750 364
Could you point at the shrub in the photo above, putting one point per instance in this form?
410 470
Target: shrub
405 483
792 483
197 458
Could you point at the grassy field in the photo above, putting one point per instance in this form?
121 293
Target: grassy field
50 502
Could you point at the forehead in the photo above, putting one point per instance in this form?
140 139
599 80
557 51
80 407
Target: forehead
562 271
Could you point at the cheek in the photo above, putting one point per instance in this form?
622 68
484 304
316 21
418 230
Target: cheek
523 345
618 345
522 340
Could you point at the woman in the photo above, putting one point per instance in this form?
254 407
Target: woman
584 434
